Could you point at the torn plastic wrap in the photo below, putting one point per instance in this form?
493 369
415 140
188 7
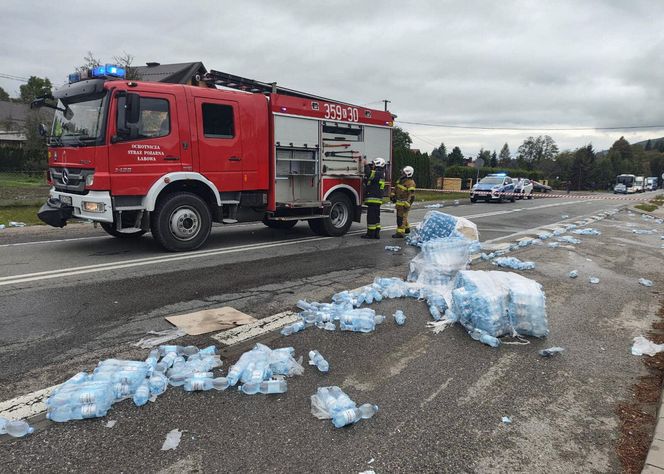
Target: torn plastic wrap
439 260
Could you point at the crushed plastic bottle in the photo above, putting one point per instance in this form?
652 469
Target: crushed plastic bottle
573 274
15 428
399 317
593 280
568 239
551 351
293 328
643 231
142 394
315 358
506 420
645 282
393 248
643 346
553 245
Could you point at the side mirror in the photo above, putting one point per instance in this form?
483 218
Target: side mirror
132 108
68 113
37 103
42 130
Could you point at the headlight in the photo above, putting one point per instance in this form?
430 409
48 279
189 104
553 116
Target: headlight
93 206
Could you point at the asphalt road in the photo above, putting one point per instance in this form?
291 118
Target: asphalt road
67 303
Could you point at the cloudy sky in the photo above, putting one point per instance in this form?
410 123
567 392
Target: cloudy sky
509 64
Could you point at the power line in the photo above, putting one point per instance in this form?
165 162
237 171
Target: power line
14 78
535 129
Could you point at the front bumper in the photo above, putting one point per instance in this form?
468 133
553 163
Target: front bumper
77 200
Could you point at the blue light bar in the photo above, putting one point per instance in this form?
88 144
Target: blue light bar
108 70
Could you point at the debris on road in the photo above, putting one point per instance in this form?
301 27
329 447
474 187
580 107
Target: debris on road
564 216
499 303
551 351
587 231
513 263
553 245
643 231
210 320
573 274
110 424
315 358
436 225
643 346
16 224
172 440
160 338
506 420
399 318
434 206
544 235
593 280
392 248
333 403
568 239
255 369
645 282
15 428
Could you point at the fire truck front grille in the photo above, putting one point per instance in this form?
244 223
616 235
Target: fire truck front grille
71 180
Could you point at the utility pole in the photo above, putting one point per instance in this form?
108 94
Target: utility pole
385 101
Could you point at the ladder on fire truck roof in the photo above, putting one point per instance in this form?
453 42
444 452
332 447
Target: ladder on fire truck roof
251 85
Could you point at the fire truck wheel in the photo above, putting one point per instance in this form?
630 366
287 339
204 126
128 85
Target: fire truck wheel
340 218
110 230
281 225
181 221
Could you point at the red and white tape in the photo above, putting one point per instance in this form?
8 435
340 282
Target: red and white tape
600 196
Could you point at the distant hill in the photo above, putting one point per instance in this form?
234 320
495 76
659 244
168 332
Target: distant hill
654 143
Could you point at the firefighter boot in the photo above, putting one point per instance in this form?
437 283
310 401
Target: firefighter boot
407 230
398 235
376 234
368 235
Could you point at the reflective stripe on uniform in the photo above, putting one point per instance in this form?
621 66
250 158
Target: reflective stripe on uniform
381 183
411 189
401 186
403 203
373 201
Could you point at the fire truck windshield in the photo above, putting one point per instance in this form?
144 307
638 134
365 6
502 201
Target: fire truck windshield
81 125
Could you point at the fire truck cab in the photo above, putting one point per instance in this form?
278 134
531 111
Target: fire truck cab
172 159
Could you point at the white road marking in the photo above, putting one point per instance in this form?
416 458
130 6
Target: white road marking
26 406
255 329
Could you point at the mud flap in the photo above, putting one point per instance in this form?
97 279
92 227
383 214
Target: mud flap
55 213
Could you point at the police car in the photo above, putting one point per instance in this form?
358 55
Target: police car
493 188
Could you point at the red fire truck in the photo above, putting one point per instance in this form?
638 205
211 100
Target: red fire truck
172 159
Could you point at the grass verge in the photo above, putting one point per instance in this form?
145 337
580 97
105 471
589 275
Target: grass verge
646 207
26 214
21 180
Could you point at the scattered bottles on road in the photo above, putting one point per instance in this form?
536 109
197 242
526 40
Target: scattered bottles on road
645 282
255 369
573 274
513 263
15 428
587 231
392 248
315 358
142 394
353 415
593 280
293 328
399 317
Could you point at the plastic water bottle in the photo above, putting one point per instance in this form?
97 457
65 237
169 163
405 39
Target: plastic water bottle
75 412
167 348
142 394
645 282
15 428
329 326
489 340
293 328
315 358
379 319
234 374
166 362
189 350
593 280
198 382
573 274
209 350
158 383
435 313
399 317
353 415
251 388
220 383
273 386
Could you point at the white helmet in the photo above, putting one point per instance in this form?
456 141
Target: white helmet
408 171
379 162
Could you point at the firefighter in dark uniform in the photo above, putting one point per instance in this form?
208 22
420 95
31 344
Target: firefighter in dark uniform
403 196
374 185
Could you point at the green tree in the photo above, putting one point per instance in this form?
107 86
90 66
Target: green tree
493 163
648 146
34 148
456 157
3 95
505 156
439 161
401 141
535 150
582 167
35 87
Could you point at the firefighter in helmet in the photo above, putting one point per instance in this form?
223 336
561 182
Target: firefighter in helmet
374 185
403 196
